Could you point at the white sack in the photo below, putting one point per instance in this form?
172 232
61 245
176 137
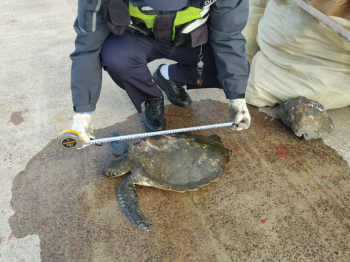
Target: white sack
256 12
299 56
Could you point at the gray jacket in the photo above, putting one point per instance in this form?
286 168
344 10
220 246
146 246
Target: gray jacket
226 21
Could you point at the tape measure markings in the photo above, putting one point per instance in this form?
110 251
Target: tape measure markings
165 132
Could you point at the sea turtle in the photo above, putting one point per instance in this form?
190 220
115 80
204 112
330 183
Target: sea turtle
178 162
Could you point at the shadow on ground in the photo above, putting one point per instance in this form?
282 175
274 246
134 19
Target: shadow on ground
281 198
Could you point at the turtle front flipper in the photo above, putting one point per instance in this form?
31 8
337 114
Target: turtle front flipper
118 148
216 138
129 203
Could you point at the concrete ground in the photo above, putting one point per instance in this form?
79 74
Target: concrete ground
281 199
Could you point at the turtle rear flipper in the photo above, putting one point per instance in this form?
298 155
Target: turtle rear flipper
129 204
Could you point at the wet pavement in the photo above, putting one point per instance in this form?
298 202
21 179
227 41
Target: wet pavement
281 199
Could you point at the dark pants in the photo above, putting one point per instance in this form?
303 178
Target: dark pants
125 59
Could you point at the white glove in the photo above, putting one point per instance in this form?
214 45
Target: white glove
83 125
238 114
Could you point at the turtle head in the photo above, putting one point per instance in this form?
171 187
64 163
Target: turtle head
118 167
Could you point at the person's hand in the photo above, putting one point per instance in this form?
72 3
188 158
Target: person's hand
238 114
83 125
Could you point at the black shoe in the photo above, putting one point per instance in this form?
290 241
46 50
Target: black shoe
154 114
176 94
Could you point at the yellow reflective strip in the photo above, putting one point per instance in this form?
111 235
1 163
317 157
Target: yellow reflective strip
147 19
186 16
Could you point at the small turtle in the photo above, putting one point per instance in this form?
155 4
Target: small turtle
178 162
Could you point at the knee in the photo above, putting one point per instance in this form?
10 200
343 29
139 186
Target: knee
116 61
118 56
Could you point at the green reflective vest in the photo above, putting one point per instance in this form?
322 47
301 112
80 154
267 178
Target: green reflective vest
181 17
176 26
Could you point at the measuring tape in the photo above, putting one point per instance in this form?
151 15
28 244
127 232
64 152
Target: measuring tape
70 138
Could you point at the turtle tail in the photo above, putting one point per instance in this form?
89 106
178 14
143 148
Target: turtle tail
129 204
